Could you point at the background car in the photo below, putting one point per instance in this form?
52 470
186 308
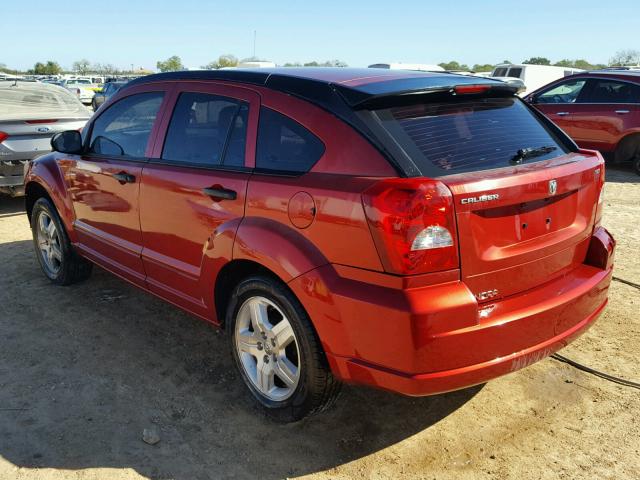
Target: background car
599 110
107 91
30 114
81 88
533 76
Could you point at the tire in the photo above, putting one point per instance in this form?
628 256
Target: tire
636 164
628 150
256 347
58 260
94 105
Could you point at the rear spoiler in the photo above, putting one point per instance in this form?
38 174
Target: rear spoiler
379 95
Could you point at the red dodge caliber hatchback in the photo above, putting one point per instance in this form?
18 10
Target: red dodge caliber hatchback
411 231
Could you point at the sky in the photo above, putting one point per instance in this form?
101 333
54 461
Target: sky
126 32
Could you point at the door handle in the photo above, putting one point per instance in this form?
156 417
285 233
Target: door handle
219 193
562 114
124 177
622 112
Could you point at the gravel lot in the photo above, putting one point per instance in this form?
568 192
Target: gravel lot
85 369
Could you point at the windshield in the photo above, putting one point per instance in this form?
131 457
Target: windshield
443 138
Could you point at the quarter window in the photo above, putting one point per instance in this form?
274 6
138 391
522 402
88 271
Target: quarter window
203 127
566 92
124 128
610 91
284 145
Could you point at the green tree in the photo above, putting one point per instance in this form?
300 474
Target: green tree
625 57
508 62
482 67
537 61
82 66
453 65
223 61
38 69
328 63
292 64
171 64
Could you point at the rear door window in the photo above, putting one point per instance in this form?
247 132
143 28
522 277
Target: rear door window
467 135
124 128
611 91
207 130
284 145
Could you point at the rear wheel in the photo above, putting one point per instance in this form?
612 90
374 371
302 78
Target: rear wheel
628 150
277 351
54 251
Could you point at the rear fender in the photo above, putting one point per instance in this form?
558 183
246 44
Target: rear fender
277 247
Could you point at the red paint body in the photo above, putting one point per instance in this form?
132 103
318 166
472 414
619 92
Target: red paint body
599 126
415 334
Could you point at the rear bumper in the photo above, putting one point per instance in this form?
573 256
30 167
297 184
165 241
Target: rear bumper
433 339
12 172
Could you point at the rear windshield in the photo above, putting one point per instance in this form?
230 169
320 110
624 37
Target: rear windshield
27 100
468 135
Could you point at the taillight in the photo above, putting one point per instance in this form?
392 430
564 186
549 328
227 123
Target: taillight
600 205
3 136
35 122
469 89
413 225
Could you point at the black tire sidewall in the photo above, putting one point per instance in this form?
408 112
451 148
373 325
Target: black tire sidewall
301 402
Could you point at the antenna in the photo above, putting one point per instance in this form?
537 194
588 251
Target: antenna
254 44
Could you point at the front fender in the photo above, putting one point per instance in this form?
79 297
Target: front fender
280 248
46 173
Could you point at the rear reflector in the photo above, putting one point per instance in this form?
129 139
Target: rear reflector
3 136
468 89
413 226
35 122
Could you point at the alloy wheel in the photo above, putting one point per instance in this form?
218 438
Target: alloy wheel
267 348
48 239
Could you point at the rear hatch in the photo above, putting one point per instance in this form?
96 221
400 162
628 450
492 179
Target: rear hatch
525 198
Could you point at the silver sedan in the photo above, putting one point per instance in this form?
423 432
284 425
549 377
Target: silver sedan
30 113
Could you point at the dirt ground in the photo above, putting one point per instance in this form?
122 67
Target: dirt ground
84 369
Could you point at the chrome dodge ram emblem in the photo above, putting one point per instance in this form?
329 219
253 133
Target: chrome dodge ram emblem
43 129
553 187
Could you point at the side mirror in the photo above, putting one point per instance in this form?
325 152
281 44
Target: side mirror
69 141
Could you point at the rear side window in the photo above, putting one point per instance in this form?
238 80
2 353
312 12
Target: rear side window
467 135
203 127
610 91
124 128
500 72
284 145
515 72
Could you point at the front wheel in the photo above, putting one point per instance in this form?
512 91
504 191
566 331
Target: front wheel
277 351
58 260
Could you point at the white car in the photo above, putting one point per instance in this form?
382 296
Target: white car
533 76
81 88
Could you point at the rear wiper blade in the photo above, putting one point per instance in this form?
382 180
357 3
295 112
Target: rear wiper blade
524 153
